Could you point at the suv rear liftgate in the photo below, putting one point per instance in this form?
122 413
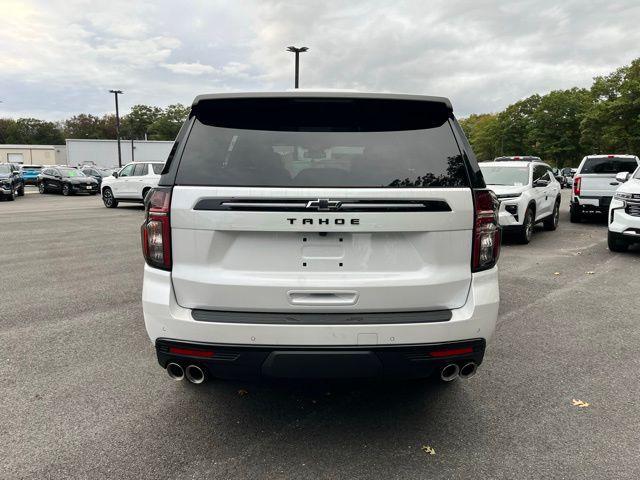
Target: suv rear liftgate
311 235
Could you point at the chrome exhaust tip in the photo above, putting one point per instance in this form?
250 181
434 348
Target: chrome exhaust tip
194 374
175 371
449 372
468 370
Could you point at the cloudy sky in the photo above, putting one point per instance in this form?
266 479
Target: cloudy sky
60 57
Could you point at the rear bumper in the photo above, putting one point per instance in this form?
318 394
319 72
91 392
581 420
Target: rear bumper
591 203
165 319
247 362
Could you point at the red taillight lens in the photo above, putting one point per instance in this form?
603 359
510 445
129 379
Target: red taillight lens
486 231
156 229
576 185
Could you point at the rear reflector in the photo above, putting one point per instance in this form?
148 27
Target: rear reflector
451 352
191 352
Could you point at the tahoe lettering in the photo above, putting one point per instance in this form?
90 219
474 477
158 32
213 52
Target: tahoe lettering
323 221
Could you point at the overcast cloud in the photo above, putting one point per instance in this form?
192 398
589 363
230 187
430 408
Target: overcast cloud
60 57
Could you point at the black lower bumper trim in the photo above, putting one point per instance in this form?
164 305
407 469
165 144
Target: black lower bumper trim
251 362
321 318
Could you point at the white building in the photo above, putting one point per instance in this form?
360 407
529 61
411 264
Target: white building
104 153
32 154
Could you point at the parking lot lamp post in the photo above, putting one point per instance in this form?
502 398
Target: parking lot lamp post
297 51
116 93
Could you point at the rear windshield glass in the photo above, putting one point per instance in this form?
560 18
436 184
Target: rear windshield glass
512 176
27 168
157 168
322 143
609 165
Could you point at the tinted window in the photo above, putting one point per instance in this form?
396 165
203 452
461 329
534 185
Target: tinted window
157 168
538 172
141 169
322 143
609 165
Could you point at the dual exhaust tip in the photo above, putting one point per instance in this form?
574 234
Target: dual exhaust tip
193 373
452 371
196 375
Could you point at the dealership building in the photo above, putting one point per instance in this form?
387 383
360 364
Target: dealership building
34 154
76 152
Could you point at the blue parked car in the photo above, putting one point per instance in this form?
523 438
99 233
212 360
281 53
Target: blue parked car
30 174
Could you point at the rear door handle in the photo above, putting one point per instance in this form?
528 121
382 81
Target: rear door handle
322 297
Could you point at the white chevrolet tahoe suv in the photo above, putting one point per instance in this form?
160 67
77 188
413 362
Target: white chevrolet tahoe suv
320 235
528 192
595 183
131 183
624 212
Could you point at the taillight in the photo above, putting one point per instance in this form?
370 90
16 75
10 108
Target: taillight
486 231
156 229
576 185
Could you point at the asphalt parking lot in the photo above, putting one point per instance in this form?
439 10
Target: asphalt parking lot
82 395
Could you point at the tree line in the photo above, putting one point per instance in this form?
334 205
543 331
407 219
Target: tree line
564 125
143 121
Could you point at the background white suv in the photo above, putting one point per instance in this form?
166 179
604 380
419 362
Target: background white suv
131 183
528 192
624 213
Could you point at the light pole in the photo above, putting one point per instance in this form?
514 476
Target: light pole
116 93
297 51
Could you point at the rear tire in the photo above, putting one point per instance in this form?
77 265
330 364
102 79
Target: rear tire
21 191
526 231
145 192
575 215
551 223
108 199
616 243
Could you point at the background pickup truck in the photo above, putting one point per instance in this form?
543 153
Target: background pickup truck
595 183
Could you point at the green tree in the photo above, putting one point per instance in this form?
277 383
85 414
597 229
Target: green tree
5 125
83 126
139 120
515 125
34 131
484 134
168 124
612 125
556 125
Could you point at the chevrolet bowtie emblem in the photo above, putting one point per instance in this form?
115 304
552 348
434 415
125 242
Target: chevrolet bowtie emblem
322 204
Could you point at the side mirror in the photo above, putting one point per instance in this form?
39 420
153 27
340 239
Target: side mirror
623 177
115 174
541 183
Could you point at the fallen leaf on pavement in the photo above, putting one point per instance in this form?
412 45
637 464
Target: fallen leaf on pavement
556 273
579 403
242 392
589 273
428 449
